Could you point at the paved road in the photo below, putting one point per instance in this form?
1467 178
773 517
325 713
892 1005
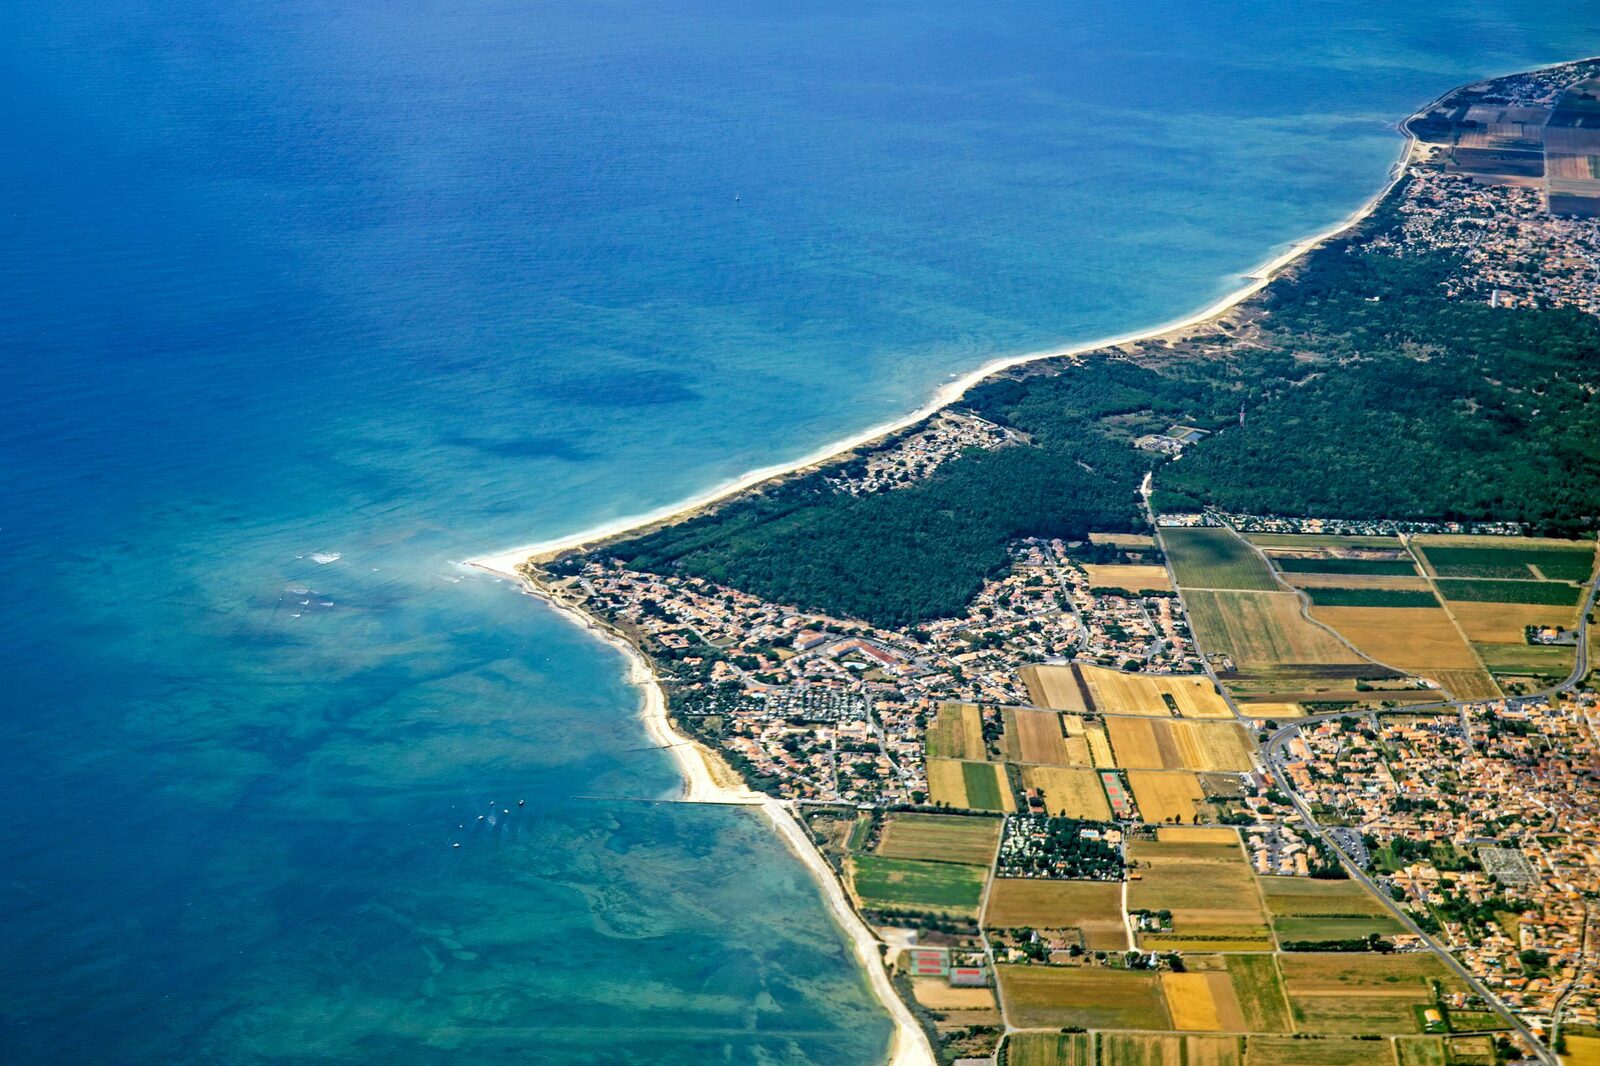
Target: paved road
1272 751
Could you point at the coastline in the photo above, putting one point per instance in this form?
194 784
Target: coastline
706 779
698 764
504 563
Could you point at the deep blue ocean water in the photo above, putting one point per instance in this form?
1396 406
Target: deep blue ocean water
403 283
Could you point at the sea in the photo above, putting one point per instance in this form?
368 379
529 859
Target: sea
307 301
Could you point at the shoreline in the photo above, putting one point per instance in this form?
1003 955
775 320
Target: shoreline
699 769
504 563
910 1045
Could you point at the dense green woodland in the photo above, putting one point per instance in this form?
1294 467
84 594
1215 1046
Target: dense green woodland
1410 406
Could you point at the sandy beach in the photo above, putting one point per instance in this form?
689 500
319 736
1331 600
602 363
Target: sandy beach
706 778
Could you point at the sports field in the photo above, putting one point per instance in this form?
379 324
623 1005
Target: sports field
1216 559
956 733
1095 907
1154 744
1069 791
1039 997
1056 686
939 838
941 887
1166 796
1156 695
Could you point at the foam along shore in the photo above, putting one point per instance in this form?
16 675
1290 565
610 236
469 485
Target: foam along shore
707 779
505 563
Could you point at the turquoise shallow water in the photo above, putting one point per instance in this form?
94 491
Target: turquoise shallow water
410 283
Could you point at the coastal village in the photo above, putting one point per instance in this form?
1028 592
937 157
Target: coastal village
1239 789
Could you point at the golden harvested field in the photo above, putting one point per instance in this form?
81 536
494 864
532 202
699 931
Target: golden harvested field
1040 997
946 783
1262 630
939 838
1209 888
1129 578
956 733
1271 709
1504 623
1055 686
1410 638
1095 907
1117 692
1035 737
1154 744
1185 834
939 994
1582 1051
1099 748
1202 1001
1075 793
1166 795
1123 540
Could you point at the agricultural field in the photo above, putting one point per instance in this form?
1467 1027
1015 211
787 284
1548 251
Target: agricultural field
956 733
1093 907
1310 582
1304 909
1264 632
938 994
1358 993
1259 991
1418 640
1490 590
1507 623
976 786
1313 564
1216 559
1203 1002
1049 1049
939 838
1314 1051
1160 1049
1166 796
1132 579
1507 557
1315 542
1038 997
1058 687
1208 886
1335 596
1582 1051
1075 793
1156 695
1156 744
1420 1051
1129 541
940 887
1035 737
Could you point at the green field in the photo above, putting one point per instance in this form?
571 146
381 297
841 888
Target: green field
1049 1049
1359 993
956 732
1544 660
1513 561
904 883
1216 559
1490 591
1420 1051
1260 992
939 838
1300 564
1336 597
983 786
1164 1049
